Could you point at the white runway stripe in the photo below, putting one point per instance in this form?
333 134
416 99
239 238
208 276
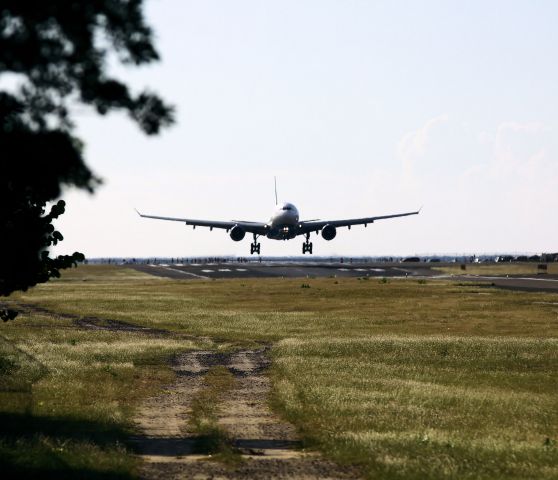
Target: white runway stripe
187 273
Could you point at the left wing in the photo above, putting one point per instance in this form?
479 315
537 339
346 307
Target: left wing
315 225
251 227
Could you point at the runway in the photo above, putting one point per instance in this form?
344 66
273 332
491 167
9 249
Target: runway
206 271
282 270
534 283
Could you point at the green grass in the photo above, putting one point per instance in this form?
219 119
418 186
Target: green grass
273 309
434 407
406 379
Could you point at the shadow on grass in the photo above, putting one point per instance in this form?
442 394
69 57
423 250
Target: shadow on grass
34 446
62 473
18 425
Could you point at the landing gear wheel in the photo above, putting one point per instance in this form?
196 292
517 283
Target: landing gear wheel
255 246
307 246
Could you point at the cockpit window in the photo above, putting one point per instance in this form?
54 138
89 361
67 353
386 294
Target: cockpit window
287 207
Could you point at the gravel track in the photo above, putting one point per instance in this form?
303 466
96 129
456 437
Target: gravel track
269 446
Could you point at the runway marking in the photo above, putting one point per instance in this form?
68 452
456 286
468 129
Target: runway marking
485 277
537 279
187 273
359 269
163 265
208 271
224 269
178 264
343 269
515 278
241 270
377 270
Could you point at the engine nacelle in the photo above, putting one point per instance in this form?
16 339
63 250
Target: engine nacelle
237 233
329 232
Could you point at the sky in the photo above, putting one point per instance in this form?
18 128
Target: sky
360 108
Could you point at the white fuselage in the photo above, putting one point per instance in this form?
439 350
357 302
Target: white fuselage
283 224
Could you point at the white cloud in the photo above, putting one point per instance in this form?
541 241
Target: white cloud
413 146
512 191
506 134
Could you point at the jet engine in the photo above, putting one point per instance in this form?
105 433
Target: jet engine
237 233
329 232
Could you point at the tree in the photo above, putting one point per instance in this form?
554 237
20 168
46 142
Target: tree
58 51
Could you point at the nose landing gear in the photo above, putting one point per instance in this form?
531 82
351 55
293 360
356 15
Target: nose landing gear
307 245
255 246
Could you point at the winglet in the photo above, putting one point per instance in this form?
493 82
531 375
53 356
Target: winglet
420 208
138 212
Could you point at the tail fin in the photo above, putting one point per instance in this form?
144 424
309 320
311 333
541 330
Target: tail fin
275 181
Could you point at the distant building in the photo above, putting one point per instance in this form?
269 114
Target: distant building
411 259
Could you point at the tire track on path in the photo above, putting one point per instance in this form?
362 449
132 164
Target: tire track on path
268 446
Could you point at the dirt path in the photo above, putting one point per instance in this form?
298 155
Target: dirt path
268 447
264 445
86 322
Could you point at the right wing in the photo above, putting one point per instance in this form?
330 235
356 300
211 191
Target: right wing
250 227
315 225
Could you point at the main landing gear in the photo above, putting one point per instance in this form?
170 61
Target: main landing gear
307 245
255 246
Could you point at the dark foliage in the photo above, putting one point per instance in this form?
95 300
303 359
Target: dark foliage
57 50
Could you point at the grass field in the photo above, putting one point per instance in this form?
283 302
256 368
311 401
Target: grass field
405 379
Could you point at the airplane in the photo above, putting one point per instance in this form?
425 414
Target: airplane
284 224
